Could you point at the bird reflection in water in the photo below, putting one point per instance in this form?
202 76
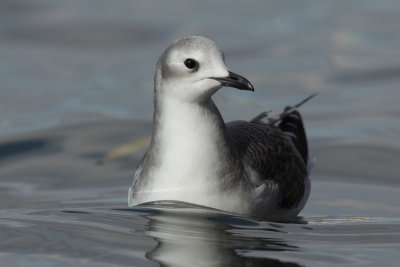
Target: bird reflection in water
189 235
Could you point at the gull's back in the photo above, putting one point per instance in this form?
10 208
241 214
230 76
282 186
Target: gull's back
276 153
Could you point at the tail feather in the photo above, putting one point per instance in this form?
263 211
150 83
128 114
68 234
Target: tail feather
291 124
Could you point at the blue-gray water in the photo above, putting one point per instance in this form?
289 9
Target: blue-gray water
76 106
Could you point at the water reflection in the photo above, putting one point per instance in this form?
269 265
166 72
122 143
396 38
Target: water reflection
196 236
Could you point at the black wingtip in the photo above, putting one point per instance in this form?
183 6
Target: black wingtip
292 126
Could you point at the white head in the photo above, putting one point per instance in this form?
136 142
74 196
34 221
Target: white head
192 69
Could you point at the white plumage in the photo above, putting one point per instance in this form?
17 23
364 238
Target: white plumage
252 168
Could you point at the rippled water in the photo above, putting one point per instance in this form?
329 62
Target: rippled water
63 201
76 104
186 236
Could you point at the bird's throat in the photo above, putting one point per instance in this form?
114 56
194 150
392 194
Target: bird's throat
191 140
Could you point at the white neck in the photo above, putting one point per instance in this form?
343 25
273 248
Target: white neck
191 136
192 150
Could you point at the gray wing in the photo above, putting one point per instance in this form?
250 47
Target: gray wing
271 153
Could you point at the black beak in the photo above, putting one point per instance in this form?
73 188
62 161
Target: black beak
236 81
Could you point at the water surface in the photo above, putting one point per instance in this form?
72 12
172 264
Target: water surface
76 104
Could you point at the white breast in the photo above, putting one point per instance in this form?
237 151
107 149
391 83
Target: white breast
195 160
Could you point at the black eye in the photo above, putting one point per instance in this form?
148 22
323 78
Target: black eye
190 63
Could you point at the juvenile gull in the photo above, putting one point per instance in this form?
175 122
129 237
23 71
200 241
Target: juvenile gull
257 168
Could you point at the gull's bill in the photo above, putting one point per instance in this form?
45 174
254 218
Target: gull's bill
236 81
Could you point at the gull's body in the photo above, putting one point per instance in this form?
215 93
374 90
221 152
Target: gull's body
252 168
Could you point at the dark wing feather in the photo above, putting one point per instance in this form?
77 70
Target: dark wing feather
292 126
271 153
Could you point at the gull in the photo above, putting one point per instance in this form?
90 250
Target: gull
256 168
